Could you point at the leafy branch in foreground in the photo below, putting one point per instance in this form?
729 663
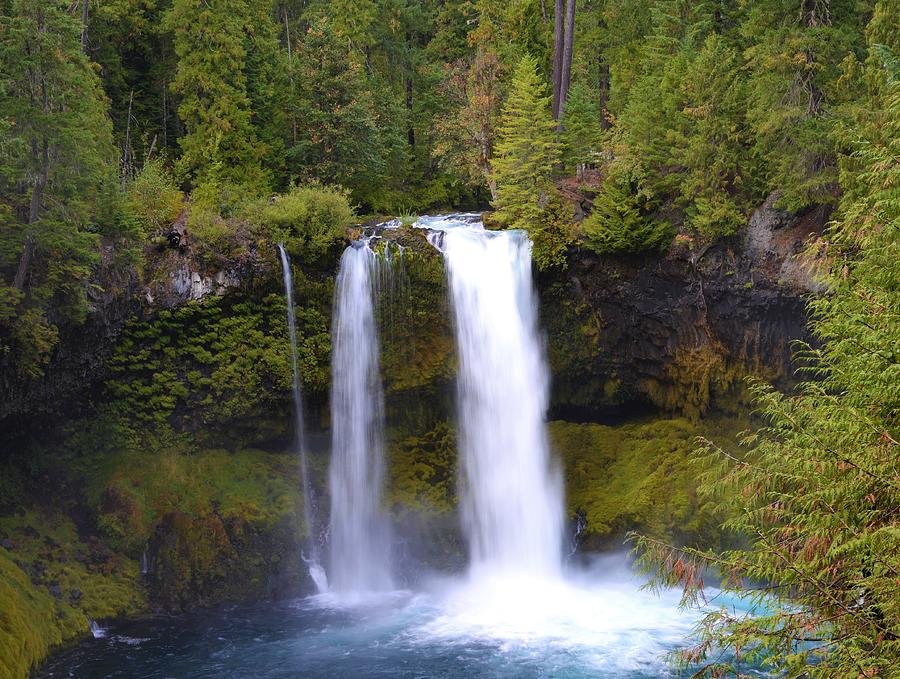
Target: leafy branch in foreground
814 588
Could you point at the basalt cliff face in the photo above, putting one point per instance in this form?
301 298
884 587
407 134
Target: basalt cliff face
671 331
678 331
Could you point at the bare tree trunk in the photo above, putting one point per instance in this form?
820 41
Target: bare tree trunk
567 57
410 131
34 214
84 25
604 94
126 151
287 37
558 38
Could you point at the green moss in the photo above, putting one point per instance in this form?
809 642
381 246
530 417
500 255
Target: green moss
52 581
133 479
637 477
574 333
31 621
422 472
225 361
695 379
417 338
87 575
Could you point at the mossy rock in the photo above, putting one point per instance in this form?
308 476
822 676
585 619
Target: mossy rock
52 582
639 476
31 621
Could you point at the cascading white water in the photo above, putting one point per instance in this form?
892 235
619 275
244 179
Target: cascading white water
512 506
359 535
313 561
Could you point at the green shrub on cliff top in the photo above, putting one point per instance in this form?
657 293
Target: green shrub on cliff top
622 219
153 199
309 219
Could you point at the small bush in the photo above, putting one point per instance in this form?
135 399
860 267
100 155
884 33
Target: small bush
309 219
153 199
622 219
214 237
552 236
224 198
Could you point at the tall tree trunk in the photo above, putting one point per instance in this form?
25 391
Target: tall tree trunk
34 214
604 94
165 115
558 38
84 25
290 58
410 131
567 57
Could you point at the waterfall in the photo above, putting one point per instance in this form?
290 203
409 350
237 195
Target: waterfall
359 533
313 560
512 499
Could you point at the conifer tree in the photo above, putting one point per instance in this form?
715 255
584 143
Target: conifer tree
622 219
815 496
582 130
56 168
221 145
717 186
338 140
793 58
526 152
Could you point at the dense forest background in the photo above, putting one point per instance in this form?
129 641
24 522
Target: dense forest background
687 113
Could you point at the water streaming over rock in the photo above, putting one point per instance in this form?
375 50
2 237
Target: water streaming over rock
512 498
313 561
359 533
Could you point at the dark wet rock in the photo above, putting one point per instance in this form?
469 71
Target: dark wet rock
680 330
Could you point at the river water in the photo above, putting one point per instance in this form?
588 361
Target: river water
596 623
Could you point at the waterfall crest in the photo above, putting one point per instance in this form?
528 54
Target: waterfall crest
359 531
512 497
314 559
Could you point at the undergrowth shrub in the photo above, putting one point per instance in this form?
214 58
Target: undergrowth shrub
309 219
623 219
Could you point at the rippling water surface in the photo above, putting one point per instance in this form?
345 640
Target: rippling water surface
596 624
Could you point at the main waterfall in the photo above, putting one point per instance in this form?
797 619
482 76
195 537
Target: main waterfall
512 499
313 560
359 535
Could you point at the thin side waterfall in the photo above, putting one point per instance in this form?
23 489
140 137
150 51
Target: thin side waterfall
359 534
512 497
313 560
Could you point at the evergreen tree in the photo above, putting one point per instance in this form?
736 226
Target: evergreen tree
816 494
710 144
56 171
526 151
794 55
337 137
582 130
134 52
464 135
623 218
220 145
